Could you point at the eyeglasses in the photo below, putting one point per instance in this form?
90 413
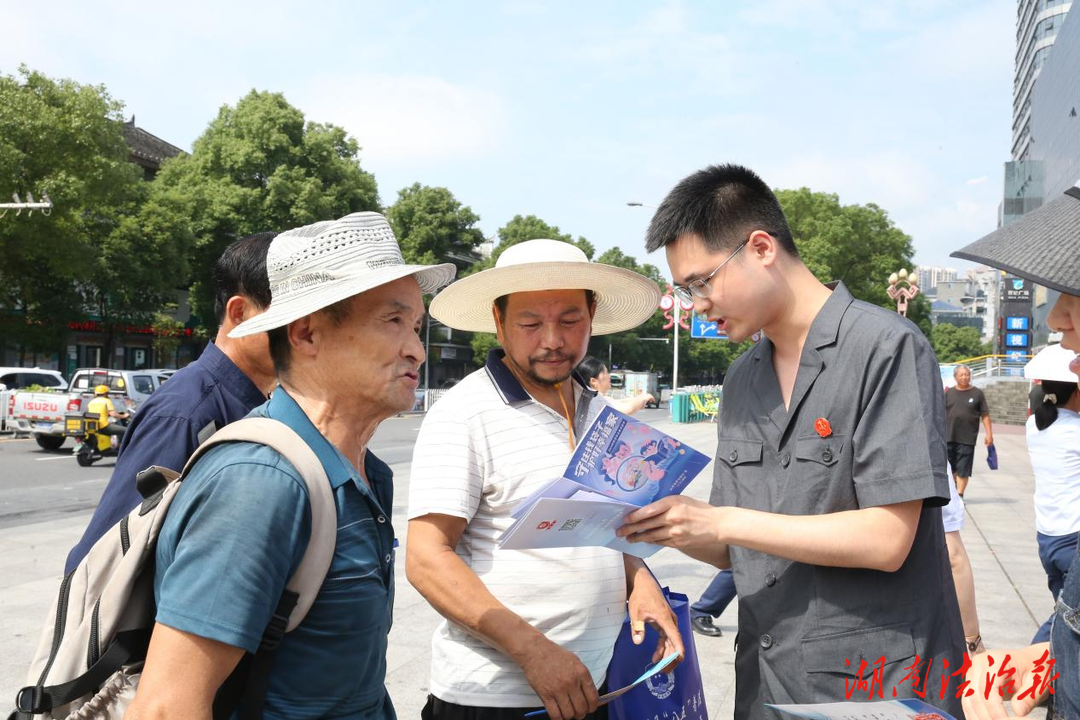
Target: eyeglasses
700 288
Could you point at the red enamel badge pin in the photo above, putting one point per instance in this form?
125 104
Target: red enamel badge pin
823 428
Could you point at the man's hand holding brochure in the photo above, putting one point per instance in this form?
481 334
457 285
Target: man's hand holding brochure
620 464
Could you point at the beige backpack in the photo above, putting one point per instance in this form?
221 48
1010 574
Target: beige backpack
92 649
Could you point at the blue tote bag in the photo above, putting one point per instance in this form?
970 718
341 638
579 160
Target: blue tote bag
675 696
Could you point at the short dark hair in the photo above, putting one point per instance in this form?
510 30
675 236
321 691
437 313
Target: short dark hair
241 270
590 367
281 351
722 205
503 300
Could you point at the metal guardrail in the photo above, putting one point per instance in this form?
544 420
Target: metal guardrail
695 403
987 368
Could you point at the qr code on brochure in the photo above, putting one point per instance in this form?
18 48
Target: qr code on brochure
570 524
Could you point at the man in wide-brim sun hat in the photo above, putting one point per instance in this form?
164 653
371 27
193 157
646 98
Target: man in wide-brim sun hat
344 319
1044 247
524 629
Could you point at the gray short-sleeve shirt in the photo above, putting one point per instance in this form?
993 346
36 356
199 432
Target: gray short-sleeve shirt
864 428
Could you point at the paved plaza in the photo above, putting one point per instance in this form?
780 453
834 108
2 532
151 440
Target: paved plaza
999 534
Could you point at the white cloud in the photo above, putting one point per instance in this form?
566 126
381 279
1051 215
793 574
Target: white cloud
978 180
409 118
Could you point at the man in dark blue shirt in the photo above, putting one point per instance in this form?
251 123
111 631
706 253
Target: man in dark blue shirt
230 378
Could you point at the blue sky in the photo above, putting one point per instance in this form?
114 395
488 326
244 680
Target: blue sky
568 110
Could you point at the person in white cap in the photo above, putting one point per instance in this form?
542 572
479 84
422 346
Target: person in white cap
523 629
343 320
1053 440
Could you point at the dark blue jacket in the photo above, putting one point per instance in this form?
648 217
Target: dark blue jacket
207 394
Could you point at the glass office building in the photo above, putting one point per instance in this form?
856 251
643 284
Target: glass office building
1037 26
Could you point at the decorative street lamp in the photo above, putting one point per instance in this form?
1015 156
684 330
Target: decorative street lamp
671 306
903 288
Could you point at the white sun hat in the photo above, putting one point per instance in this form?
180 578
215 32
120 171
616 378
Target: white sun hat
317 265
624 298
1051 363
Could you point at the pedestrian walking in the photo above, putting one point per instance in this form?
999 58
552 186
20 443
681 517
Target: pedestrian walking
965 408
523 630
712 603
830 464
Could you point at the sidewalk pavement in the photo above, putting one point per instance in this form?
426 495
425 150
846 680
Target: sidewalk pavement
999 534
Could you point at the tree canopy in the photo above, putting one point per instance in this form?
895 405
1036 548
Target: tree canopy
529 227
858 244
260 166
103 250
952 343
433 226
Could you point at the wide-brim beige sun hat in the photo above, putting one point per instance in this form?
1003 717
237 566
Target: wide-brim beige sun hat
1051 363
624 298
315 266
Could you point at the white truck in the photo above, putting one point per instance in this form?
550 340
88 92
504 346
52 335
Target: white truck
631 383
41 414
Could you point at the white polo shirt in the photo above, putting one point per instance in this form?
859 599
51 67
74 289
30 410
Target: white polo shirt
1055 461
484 447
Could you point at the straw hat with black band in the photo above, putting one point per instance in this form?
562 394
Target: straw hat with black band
624 298
1042 246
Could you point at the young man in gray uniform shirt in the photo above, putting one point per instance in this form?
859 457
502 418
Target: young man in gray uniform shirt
830 466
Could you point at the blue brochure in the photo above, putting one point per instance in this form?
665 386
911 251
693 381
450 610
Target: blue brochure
620 464
631 461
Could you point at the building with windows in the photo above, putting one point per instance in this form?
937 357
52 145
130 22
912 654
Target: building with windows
1045 138
929 277
1037 26
1055 137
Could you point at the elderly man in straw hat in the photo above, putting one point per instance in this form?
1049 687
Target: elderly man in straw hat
343 321
523 629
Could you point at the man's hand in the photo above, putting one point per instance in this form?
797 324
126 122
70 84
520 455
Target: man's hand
561 680
989 438
675 521
647 604
980 707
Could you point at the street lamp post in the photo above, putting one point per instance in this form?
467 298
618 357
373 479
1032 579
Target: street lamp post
903 288
672 307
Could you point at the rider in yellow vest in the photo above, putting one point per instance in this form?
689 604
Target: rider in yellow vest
103 406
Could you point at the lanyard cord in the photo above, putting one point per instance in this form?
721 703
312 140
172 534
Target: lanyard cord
569 420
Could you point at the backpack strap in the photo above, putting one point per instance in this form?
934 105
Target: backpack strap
248 682
315 563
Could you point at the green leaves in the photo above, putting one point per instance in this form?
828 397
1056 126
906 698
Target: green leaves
858 244
433 226
952 343
66 139
260 166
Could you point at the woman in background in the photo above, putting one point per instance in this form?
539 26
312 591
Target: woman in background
596 374
1053 439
